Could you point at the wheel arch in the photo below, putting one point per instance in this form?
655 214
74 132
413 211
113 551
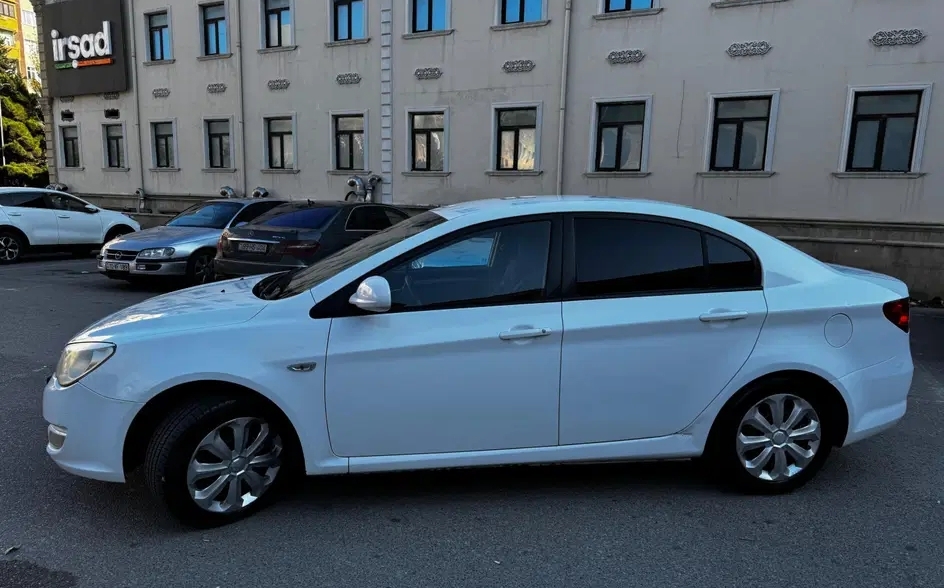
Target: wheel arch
18 232
112 231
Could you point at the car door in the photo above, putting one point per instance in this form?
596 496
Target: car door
468 357
658 317
30 212
77 225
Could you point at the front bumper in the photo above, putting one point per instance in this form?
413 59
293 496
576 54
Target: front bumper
86 431
144 268
877 397
237 268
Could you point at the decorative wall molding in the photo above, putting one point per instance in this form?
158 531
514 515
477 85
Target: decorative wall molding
626 56
160 92
216 88
749 48
386 101
347 79
428 73
518 66
897 37
111 96
733 3
279 84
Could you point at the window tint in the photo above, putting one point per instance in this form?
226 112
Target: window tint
506 265
24 199
617 257
62 202
215 215
298 217
395 216
729 266
369 218
253 211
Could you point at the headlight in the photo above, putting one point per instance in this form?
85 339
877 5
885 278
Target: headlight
80 359
159 253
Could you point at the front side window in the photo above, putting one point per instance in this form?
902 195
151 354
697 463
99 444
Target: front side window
739 134
164 152
883 131
215 38
520 11
281 142
349 142
429 15
620 136
114 146
70 147
278 23
159 36
349 20
218 144
626 5
211 215
517 139
429 141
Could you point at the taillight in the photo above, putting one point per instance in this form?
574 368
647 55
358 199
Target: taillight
899 313
301 248
223 244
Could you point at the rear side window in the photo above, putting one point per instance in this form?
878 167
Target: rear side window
395 216
312 217
24 199
369 218
730 267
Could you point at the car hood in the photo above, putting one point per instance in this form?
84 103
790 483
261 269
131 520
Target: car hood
212 305
164 236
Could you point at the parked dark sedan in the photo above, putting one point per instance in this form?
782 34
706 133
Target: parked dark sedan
298 234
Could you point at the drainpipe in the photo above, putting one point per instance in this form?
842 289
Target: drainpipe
240 95
565 57
137 107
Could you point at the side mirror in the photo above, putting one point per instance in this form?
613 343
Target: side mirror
373 295
91 209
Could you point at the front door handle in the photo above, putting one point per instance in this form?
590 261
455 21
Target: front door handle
523 334
63 216
14 214
715 317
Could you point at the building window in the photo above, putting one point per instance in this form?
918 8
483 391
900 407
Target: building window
519 11
29 17
114 146
159 36
218 144
429 15
281 143
7 9
739 133
428 145
883 132
278 23
32 72
215 39
627 5
349 20
620 136
164 152
70 147
517 132
349 142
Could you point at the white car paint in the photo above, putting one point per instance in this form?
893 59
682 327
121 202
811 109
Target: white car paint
632 378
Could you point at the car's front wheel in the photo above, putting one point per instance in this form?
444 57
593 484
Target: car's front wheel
215 461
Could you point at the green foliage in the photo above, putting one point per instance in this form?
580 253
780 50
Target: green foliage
24 143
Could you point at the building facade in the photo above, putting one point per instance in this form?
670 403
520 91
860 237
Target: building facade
815 120
30 66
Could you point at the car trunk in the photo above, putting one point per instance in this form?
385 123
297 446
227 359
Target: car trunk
263 243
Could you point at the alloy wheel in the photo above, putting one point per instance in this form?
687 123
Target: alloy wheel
201 269
9 248
778 437
234 465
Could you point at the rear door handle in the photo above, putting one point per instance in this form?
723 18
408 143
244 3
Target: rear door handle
523 334
63 216
716 317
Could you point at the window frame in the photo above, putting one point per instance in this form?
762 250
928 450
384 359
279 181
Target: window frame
333 20
153 141
204 29
8 7
604 7
773 115
409 163
495 155
208 143
334 115
500 13
921 126
106 143
594 141
264 13
168 55
267 152
411 15
569 274
78 147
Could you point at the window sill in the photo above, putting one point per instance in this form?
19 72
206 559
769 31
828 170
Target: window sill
164 169
214 57
285 49
733 3
736 174
348 42
73 169
627 14
426 174
511 173
219 170
348 172
427 34
513 26
272 171
617 174
159 62
878 175
116 169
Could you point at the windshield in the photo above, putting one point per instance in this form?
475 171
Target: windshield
209 215
332 265
298 216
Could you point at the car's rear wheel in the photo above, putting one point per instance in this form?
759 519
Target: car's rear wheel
773 440
12 247
217 460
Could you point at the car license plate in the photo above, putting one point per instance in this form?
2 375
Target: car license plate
253 247
117 267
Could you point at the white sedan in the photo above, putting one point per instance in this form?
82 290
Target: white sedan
515 331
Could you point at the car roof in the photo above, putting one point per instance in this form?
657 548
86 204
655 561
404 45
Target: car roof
518 205
6 189
245 200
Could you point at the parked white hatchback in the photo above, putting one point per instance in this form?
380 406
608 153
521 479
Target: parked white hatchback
47 220
521 330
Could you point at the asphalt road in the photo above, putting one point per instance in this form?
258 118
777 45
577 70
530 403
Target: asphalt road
873 518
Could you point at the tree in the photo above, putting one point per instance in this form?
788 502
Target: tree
24 144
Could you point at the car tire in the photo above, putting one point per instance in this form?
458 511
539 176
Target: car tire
181 440
12 247
200 268
771 454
